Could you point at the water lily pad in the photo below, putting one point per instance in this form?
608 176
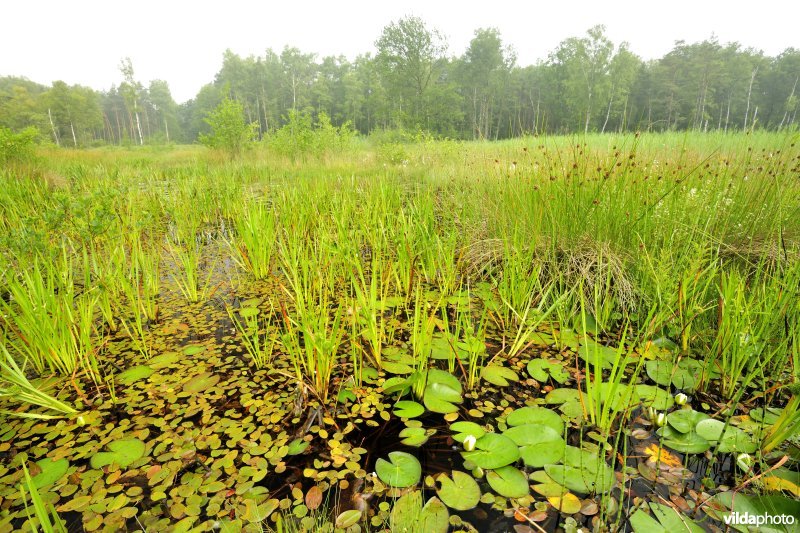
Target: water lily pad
460 493
729 439
756 505
493 451
396 384
685 420
414 436
297 446
134 374
542 369
435 375
408 409
581 480
689 442
655 397
51 471
123 453
201 382
508 481
396 368
193 349
536 415
768 416
683 375
441 397
348 519
567 503
408 514
594 353
401 470
665 519
498 375
464 428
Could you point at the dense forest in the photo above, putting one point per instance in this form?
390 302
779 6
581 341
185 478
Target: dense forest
586 84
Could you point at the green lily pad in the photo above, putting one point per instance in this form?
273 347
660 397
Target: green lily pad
51 471
441 398
594 353
755 505
396 368
134 374
655 397
689 442
408 514
201 382
123 453
732 440
536 415
396 384
465 428
541 369
193 349
460 493
297 446
435 375
499 375
667 520
408 409
400 471
348 519
685 420
768 416
508 481
582 472
414 436
493 451
683 376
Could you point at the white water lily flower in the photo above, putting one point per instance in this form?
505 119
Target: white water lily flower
469 443
660 420
681 398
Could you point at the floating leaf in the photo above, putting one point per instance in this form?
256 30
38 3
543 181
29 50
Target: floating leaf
123 453
685 420
414 436
541 369
348 519
401 470
567 503
313 497
440 397
193 349
498 375
134 374
408 409
201 382
297 446
460 493
732 440
655 397
683 442
508 481
536 415
493 451
51 471
396 384
464 428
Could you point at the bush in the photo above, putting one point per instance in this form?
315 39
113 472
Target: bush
17 147
301 136
229 131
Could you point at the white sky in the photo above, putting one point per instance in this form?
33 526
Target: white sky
83 41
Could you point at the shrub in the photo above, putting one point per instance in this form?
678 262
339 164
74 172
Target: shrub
17 147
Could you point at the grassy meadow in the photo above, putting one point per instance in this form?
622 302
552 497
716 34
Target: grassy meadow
584 333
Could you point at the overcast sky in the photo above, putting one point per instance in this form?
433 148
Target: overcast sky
82 41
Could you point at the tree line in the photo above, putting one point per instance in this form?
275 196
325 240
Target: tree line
586 84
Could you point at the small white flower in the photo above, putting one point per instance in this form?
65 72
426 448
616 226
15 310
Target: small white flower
469 443
660 420
681 398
